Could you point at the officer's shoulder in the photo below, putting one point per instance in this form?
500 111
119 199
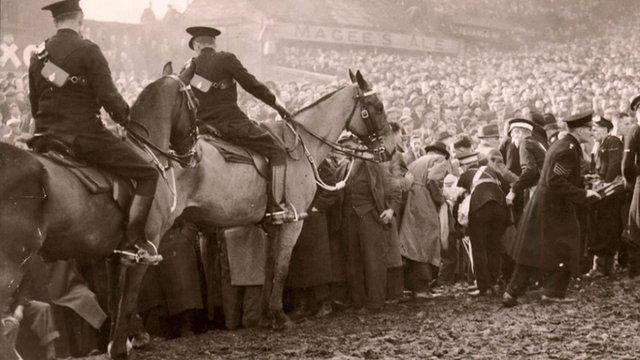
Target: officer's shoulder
227 55
90 44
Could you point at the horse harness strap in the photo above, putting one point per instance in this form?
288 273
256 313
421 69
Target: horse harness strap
188 159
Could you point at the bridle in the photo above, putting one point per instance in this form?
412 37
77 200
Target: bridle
190 139
374 135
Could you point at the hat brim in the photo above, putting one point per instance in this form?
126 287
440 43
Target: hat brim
432 148
196 31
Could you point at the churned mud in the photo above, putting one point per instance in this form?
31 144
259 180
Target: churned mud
604 323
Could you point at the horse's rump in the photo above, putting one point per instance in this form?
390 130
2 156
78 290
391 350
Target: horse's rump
79 220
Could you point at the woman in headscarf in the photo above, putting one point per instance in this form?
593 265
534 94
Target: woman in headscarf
420 231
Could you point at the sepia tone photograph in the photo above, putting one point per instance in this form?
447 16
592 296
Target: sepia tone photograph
319 179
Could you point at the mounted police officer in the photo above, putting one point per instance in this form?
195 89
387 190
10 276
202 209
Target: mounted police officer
214 81
69 81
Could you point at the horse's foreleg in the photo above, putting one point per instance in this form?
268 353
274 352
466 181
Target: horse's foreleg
286 241
273 232
115 276
128 305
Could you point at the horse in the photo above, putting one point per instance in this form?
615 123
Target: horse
224 194
44 208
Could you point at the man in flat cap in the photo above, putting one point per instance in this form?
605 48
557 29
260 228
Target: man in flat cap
608 229
548 238
630 166
215 74
69 81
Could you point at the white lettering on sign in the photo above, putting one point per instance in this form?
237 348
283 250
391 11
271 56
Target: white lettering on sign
13 59
9 54
334 35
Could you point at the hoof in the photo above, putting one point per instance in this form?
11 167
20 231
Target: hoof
282 323
265 322
119 356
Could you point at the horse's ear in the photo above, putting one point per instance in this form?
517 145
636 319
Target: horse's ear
351 76
167 69
362 83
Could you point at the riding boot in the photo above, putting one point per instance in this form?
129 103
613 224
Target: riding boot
135 237
278 209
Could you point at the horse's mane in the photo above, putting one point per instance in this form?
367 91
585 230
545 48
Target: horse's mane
144 100
323 98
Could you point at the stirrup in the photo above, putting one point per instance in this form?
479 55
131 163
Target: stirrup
142 256
287 214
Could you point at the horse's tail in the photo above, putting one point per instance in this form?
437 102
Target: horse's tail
21 209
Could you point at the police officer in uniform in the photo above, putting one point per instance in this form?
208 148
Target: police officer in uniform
531 154
608 225
548 237
214 81
69 81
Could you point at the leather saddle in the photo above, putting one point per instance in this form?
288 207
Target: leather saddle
233 153
96 181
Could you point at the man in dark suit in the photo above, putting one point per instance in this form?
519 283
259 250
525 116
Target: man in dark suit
608 225
67 107
215 74
548 238
370 203
487 206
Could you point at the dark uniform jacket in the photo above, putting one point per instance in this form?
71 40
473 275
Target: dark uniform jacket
610 158
548 237
74 108
493 191
531 157
218 106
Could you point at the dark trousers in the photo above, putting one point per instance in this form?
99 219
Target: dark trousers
112 154
366 262
254 136
607 228
555 283
486 227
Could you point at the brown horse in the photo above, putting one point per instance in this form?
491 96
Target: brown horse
45 208
218 193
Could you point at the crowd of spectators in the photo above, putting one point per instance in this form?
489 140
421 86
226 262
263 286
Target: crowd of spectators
432 93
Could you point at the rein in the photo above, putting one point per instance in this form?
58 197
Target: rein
351 153
366 155
188 159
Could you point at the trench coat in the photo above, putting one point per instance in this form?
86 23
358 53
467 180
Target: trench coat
548 237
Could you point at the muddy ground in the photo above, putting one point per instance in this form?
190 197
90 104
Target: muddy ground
604 323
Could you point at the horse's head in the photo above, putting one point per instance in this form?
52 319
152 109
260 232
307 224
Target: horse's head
166 110
368 120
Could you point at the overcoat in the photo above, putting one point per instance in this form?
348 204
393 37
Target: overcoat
549 233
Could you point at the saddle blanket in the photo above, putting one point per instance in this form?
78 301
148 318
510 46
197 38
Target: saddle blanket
94 180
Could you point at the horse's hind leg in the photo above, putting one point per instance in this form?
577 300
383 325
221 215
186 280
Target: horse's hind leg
266 320
126 309
287 240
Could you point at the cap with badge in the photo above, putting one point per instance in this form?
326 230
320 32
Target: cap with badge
583 119
196 31
63 7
